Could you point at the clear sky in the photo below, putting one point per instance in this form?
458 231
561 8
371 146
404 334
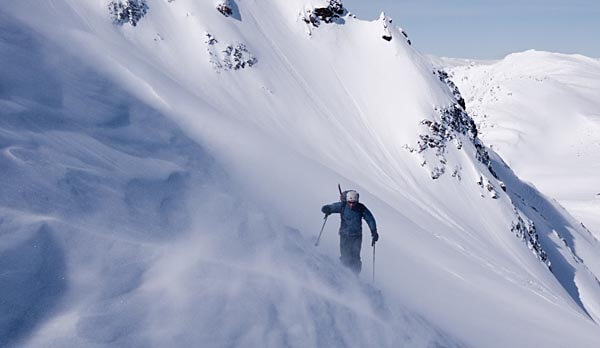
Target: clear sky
491 29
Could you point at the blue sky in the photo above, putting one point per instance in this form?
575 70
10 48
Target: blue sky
491 29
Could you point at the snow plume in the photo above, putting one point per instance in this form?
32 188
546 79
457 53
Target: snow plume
147 242
273 289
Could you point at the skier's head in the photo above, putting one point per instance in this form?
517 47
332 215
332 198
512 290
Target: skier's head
352 197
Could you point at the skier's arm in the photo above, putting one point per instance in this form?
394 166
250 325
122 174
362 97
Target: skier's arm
372 225
370 220
332 208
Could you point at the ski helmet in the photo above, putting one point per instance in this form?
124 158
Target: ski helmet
352 196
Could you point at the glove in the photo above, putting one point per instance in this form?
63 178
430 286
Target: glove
326 210
375 237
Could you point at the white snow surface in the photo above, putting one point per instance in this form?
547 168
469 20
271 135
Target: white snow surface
541 112
153 197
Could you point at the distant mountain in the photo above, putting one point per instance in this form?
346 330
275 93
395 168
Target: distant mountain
541 112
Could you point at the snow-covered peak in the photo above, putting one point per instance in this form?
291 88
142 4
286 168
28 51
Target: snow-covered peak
540 112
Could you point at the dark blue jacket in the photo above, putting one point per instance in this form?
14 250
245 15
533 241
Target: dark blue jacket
351 218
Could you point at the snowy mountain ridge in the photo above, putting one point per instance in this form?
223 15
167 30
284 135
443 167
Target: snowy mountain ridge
564 87
169 197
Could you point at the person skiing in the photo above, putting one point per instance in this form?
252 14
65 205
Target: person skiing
351 214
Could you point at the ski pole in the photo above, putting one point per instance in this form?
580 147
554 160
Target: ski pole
373 263
320 233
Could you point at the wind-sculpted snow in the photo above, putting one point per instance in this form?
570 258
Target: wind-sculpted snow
179 206
33 283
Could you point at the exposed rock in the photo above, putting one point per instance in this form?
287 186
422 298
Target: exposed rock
437 172
491 190
237 57
228 56
454 121
225 7
445 78
386 21
488 186
337 7
127 11
456 173
332 13
502 186
528 234
324 14
210 39
406 36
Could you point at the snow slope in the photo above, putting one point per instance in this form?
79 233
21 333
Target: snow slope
154 195
541 112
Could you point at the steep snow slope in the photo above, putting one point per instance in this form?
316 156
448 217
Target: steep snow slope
117 229
175 198
541 112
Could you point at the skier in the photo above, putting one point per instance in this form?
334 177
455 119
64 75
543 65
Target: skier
351 214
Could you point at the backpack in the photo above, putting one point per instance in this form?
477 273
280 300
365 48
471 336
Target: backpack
343 196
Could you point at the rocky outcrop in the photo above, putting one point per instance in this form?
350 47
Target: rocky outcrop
127 11
405 36
237 57
445 78
487 185
225 7
229 8
528 234
386 21
228 56
334 11
386 29
453 121
458 119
